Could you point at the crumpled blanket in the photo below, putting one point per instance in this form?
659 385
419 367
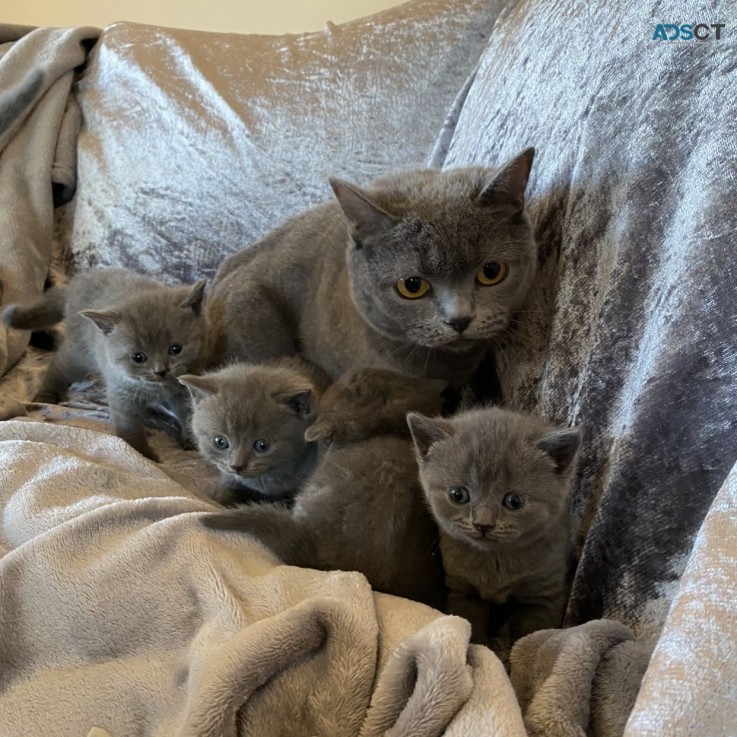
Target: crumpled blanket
38 145
118 610
579 681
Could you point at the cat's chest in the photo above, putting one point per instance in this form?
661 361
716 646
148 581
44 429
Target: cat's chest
495 576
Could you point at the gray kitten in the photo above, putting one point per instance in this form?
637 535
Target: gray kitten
430 271
367 402
138 333
498 484
249 421
361 510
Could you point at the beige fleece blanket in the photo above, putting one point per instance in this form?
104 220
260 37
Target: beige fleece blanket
119 611
37 156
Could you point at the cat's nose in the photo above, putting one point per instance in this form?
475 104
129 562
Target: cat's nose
483 529
161 371
236 469
459 324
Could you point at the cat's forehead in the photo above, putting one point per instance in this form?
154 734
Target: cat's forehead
158 319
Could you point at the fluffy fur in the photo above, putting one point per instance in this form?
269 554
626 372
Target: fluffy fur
361 510
249 421
364 403
312 286
469 467
113 317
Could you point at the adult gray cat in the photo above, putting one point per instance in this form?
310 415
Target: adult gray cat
498 484
361 510
249 421
367 402
432 269
138 333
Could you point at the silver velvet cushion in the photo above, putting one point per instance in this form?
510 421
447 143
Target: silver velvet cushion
196 144
631 329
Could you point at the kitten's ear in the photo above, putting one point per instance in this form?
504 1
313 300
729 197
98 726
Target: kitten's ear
427 431
562 446
196 297
297 399
199 387
365 217
507 185
106 320
320 430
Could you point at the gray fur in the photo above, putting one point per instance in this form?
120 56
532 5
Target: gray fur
367 402
110 314
311 286
520 554
46 312
361 510
245 403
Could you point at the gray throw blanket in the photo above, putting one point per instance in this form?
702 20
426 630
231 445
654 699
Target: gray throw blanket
630 334
38 146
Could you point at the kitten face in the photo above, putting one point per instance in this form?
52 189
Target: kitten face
494 477
157 335
250 421
441 259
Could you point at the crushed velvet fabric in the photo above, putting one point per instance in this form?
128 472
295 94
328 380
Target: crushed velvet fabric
196 144
630 331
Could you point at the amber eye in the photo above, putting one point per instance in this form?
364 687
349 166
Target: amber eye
492 273
413 287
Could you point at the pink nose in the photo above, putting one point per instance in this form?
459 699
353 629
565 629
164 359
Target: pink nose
236 469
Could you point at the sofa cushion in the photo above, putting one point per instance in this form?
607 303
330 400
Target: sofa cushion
630 331
196 144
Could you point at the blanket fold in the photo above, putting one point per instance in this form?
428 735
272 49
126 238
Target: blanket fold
579 681
39 122
119 611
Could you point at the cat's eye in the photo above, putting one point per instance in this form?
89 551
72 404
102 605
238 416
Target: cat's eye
514 501
459 495
494 272
413 287
175 349
139 357
261 445
221 442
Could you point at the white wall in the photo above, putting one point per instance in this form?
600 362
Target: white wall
236 16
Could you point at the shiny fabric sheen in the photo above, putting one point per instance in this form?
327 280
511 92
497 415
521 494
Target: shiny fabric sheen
195 144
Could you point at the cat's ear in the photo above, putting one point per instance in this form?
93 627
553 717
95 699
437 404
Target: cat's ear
196 297
106 320
321 429
426 431
298 399
562 446
199 387
366 218
506 186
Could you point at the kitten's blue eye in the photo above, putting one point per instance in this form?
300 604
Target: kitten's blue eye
139 357
513 501
261 446
459 495
220 442
175 349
